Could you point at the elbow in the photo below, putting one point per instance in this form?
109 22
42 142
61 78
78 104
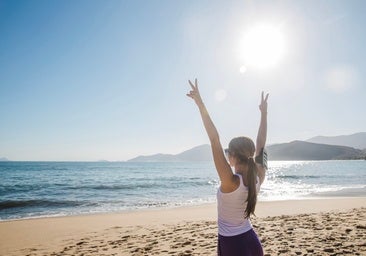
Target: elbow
214 139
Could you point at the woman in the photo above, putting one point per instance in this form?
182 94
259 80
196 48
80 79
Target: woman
237 195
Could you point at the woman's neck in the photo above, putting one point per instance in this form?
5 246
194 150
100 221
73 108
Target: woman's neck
241 169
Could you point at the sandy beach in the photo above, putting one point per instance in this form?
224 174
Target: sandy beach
333 226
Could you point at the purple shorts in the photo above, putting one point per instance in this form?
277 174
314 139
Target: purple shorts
246 244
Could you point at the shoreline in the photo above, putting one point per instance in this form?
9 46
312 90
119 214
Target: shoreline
211 205
41 236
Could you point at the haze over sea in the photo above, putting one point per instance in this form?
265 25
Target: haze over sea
36 189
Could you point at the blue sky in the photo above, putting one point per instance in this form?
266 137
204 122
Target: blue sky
91 80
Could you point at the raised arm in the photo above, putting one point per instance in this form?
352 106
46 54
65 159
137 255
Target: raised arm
223 168
262 135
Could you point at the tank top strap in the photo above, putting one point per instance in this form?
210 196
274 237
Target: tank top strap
241 184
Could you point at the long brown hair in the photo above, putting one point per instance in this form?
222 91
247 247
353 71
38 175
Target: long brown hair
243 149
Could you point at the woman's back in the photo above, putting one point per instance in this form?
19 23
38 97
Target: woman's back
231 210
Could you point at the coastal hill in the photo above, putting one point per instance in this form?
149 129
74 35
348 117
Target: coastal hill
357 140
295 150
199 153
302 150
3 159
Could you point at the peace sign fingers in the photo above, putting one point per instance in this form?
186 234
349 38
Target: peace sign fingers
194 93
263 105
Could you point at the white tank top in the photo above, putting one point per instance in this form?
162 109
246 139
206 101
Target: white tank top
231 210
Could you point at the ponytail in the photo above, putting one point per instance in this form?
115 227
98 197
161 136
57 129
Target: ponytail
242 149
252 190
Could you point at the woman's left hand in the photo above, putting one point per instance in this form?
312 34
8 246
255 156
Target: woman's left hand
263 105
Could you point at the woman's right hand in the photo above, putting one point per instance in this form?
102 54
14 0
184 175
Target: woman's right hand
195 93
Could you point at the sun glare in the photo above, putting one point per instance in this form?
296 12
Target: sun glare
220 95
262 46
243 69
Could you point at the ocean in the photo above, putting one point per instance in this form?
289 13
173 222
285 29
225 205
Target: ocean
40 189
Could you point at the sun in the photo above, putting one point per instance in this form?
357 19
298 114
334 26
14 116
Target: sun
262 46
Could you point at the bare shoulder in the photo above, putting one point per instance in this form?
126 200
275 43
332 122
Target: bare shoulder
230 186
222 166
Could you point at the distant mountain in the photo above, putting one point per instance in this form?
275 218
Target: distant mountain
357 140
3 159
155 158
295 150
302 150
199 153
